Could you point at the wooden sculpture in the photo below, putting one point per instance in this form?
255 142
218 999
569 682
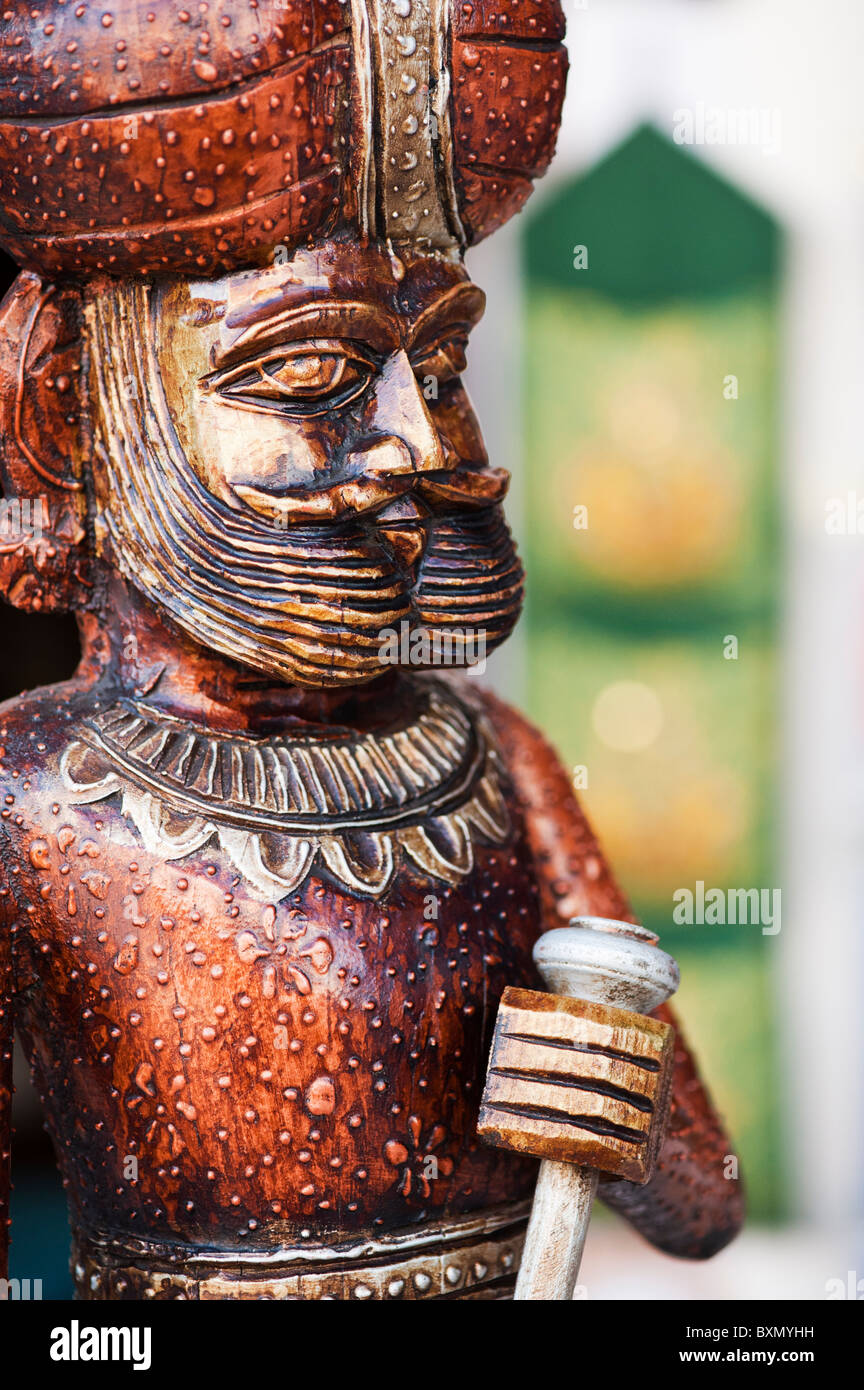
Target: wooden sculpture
266 872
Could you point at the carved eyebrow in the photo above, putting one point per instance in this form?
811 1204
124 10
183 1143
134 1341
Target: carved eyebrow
326 318
461 307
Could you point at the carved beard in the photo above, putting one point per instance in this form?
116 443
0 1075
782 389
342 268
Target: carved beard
311 605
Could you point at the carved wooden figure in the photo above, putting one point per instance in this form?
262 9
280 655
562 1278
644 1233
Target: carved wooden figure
266 870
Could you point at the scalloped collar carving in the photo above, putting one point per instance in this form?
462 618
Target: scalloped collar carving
356 804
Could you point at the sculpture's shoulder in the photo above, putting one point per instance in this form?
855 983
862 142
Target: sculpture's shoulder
35 729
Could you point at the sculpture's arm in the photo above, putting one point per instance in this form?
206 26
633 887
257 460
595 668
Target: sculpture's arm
689 1208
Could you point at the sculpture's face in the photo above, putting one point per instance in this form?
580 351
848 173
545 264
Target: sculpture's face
291 467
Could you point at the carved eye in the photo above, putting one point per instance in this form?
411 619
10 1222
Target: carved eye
444 360
307 379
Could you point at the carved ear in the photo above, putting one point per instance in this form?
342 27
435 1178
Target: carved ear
44 561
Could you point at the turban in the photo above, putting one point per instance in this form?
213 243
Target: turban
150 136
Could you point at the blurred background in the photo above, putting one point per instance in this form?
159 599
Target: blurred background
671 366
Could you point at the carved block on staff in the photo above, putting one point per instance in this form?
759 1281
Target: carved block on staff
577 1082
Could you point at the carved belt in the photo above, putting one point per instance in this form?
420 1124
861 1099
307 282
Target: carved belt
474 1257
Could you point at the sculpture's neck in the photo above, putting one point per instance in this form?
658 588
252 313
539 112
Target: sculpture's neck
132 647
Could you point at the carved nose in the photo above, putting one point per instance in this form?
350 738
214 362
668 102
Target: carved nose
408 440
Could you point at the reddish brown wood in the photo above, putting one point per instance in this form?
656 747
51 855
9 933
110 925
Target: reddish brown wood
600 1102
44 432
200 141
263 882
270 1066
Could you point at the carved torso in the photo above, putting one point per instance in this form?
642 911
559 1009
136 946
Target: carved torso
284 1068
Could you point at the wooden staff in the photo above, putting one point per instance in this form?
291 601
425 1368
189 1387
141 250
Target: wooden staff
580 1078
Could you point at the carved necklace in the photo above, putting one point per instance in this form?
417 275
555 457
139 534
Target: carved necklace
356 804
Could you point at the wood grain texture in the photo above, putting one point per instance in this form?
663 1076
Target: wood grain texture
503 141
309 1062
73 59
267 1044
555 1240
577 1082
144 137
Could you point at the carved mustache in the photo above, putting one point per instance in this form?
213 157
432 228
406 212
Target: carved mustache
455 488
